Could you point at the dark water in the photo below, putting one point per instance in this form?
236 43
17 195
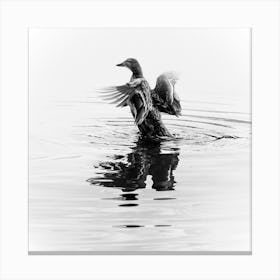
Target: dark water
96 186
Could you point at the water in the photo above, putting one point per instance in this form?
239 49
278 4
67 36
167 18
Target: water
95 186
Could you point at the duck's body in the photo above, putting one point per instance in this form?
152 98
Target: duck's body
152 126
146 104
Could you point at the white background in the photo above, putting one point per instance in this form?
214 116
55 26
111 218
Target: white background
72 59
17 16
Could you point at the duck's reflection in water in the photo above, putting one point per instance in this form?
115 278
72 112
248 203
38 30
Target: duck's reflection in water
131 172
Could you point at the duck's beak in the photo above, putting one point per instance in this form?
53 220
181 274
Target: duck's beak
121 64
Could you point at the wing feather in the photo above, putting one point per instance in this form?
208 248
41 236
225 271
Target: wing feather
164 96
136 94
124 102
119 99
112 96
118 94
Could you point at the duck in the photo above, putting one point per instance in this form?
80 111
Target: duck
146 104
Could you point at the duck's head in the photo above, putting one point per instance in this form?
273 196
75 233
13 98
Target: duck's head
133 65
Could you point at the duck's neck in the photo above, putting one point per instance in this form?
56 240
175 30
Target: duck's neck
137 72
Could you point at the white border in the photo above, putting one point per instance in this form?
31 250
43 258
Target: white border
262 16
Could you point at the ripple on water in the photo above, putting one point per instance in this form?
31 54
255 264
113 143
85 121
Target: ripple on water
137 163
174 194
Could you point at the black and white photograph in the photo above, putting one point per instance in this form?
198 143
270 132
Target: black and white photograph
139 141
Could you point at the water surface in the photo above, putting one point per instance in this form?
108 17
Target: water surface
96 186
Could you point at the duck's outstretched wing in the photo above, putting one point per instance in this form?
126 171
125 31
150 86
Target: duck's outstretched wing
117 95
164 95
136 94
